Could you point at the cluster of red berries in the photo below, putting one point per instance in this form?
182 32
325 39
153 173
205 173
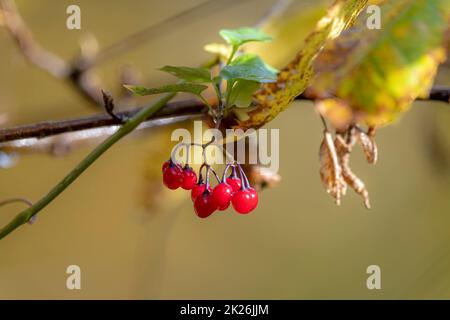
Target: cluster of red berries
233 189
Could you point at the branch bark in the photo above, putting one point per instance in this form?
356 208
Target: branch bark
171 109
77 73
439 93
49 128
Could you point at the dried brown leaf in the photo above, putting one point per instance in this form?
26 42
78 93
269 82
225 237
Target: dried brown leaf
330 169
368 145
344 149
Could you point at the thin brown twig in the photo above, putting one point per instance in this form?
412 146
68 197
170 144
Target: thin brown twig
15 200
31 50
177 108
49 128
439 93
64 143
77 73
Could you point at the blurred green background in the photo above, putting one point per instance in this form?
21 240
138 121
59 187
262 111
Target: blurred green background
296 245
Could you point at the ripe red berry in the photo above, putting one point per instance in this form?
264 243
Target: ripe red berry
223 208
245 200
235 183
189 179
173 177
223 193
165 165
198 190
205 205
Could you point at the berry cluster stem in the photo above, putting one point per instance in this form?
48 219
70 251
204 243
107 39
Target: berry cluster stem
245 183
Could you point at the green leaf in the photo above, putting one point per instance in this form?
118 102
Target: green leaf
242 93
201 75
377 74
238 37
249 67
193 88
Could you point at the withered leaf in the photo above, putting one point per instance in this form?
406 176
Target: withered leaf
275 97
330 169
368 145
344 149
379 73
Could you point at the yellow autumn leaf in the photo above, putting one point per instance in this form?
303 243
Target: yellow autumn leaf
379 73
273 98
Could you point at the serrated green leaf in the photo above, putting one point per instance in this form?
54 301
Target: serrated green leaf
242 93
201 75
249 67
193 88
379 73
237 37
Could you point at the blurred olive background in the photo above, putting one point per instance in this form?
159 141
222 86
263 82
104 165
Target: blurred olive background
296 245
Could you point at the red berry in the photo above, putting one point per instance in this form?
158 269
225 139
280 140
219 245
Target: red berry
223 193
189 179
223 208
173 177
198 190
235 183
170 163
205 205
165 165
245 200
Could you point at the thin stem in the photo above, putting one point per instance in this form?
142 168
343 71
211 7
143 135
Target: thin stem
183 144
230 84
128 127
233 53
188 159
215 175
205 102
224 175
50 128
245 183
194 107
15 200
324 123
207 180
220 107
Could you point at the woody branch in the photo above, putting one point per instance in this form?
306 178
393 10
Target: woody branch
192 108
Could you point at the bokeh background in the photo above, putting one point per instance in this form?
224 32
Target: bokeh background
133 240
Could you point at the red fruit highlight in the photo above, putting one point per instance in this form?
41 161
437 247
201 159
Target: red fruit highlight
173 177
189 179
245 201
198 190
235 183
223 193
205 205
165 165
